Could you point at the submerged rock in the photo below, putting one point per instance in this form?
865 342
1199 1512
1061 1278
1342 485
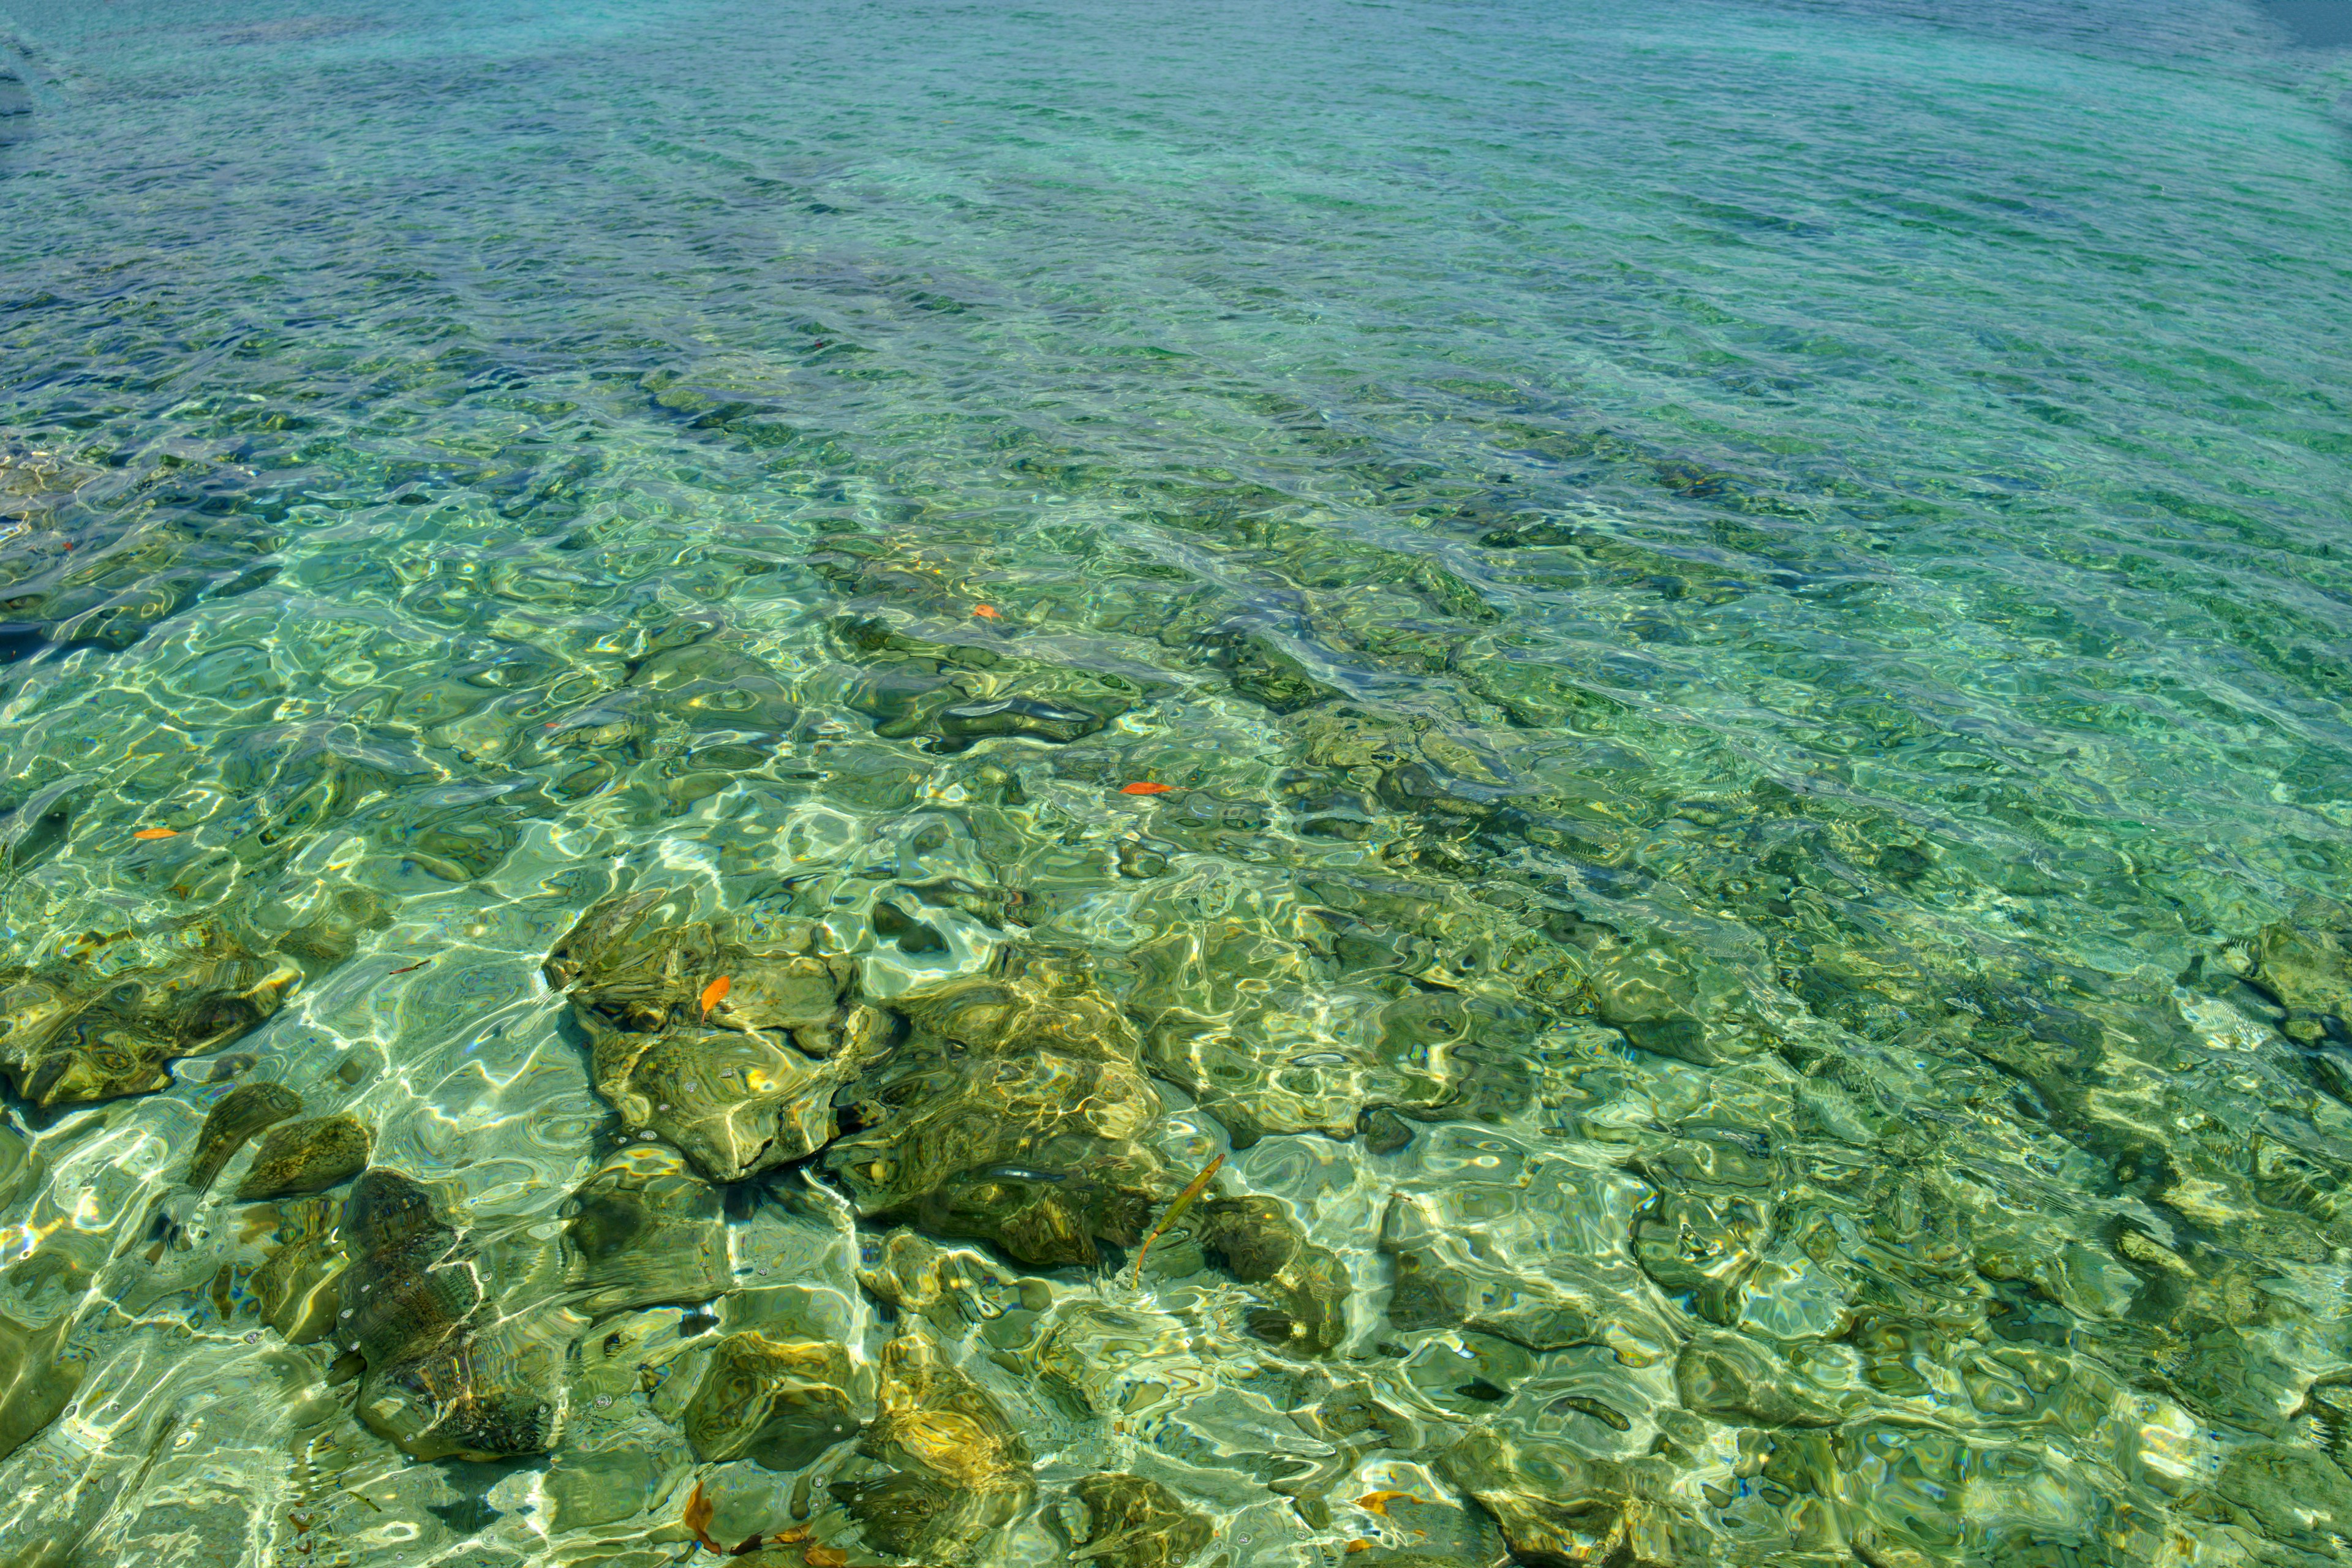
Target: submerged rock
485 1395
1664 995
957 1469
1027 1155
36 1381
1703 1246
964 723
594 1483
1731 1380
1261 1245
22 1169
69 1035
2294 1495
1136 1523
1560 1509
734 1103
2306 964
1015 1113
297 1287
240 1114
409 1287
1223 1000
1439 1286
446 1378
740 1084
111 596
954 696
306 1157
1264 673
710 686
779 1402
1012 1114
645 1230
332 934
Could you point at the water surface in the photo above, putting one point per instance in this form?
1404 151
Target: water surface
1743 612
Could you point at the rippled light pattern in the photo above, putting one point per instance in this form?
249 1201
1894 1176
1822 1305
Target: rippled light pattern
707 691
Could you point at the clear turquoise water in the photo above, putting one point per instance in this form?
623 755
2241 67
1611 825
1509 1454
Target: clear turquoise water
1746 610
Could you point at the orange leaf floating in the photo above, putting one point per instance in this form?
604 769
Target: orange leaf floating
824 1557
1145 789
988 612
697 1518
715 993
1359 1544
157 833
1378 1502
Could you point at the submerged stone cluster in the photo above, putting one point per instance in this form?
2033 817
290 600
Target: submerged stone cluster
1626 1166
1734 1345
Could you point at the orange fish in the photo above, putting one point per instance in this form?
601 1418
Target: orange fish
1193 1189
157 833
697 1518
715 993
988 612
1145 789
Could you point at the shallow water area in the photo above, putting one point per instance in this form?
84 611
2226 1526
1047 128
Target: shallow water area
696 696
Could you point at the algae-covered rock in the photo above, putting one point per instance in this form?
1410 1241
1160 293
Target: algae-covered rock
1136 1523
489 1394
641 962
734 1103
1261 1245
446 1376
779 1402
957 1469
240 1114
1732 1380
1702 1246
1013 1113
69 1034
960 725
2295 1495
1038 1157
38 1381
589 1486
112 593
955 695
1225 1004
739 1077
410 1286
297 1287
306 1157
1264 672
22 1169
950 1288
1665 996
332 932
1560 1509
642 1230
711 685
1437 1286
2306 963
